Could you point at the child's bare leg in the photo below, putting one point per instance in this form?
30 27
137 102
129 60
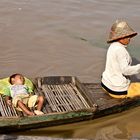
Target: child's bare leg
40 103
24 108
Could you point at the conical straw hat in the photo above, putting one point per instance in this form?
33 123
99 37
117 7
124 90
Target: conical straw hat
120 29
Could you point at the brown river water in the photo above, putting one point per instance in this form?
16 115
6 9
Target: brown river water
68 37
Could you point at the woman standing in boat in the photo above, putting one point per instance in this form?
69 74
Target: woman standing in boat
115 78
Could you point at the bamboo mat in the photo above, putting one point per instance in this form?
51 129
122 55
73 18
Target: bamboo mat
6 110
64 98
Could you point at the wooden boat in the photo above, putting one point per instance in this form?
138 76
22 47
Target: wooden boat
66 101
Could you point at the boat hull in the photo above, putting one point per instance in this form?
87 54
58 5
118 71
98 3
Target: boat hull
97 104
8 125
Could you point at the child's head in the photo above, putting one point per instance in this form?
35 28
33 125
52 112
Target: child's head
17 79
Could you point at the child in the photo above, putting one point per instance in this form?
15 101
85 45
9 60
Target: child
116 77
21 97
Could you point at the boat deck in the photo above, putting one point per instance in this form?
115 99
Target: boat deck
59 98
106 104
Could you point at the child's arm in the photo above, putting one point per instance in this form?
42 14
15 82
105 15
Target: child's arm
8 100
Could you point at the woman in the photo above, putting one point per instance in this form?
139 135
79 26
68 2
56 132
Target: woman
115 78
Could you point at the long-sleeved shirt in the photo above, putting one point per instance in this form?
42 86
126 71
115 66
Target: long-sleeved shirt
118 68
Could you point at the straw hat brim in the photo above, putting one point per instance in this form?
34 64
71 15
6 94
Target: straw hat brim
125 36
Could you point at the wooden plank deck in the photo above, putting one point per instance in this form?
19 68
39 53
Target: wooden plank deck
106 104
64 98
58 99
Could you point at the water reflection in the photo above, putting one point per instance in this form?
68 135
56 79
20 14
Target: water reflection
110 133
121 126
